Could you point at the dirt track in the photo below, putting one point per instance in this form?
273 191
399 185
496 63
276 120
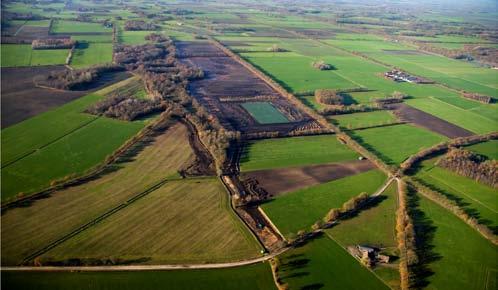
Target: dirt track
21 99
428 121
279 181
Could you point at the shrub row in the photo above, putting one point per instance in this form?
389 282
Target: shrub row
442 147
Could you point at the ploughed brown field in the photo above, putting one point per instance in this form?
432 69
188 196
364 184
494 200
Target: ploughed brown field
227 84
21 99
428 121
283 180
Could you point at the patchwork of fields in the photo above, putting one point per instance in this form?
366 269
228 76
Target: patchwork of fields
237 85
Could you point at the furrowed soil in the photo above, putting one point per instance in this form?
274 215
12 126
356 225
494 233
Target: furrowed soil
282 180
430 122
22 99
227 84
31 227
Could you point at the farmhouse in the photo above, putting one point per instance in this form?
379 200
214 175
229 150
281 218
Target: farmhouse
401 76
368 254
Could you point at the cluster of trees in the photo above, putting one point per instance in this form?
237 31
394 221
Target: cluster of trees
441 147
342 109
329 97
405 235
136 25
74 79
395 97
125 108
479 98
53 43
275 48
134 56
349 206
453 207
321 65
471 165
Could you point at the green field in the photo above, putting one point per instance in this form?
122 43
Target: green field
265 113
454 73
294 151
92 38
478 119
458 257
168 218
374 226
133 37
67 26
88 54
489 149
14 55
254 277
27 229
295 72
393 144
322 263
65 138
477 198
298 210
362 120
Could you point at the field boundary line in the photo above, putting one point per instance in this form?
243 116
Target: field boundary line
50 143
371 271
163 267
271 223
95 221
463 193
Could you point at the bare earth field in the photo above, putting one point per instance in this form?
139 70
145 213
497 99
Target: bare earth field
21 99
227 84
282 180
430 122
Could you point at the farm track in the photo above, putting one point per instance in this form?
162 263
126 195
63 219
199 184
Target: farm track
95 221
50 142
163 267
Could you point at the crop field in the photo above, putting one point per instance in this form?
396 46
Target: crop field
56 216
265 113
22 55
88 54
67 26
393 144
465 118
168 218
302 77
453 73
489 149
323 263
362 120
294 151
458 257
231 188
475 197
255 277
288 179
55 136
298 210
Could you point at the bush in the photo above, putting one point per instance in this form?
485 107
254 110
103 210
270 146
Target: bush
137 25
328 97
321 65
